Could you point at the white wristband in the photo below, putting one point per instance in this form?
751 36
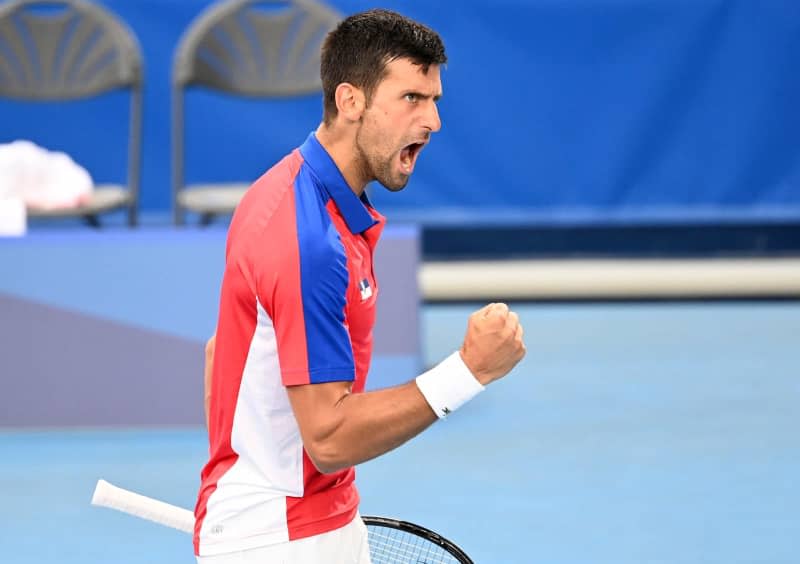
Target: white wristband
448 385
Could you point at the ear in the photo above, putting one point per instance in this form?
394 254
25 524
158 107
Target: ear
350 101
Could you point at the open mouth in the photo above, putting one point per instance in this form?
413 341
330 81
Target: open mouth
408 156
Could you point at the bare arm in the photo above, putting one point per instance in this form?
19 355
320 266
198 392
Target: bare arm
340 429
208 369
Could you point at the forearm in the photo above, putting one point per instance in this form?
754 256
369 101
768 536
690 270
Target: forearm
363 426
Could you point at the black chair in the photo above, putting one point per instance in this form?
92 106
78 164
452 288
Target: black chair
244 48
64 50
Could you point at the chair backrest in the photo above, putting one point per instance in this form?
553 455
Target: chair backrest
255 47
64 49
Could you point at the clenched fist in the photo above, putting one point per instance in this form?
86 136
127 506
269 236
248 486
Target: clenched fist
493 344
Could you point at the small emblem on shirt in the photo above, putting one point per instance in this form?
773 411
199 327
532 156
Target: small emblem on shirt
366 290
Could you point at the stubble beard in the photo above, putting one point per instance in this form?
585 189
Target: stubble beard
376 167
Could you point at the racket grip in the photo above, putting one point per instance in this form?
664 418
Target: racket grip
113 497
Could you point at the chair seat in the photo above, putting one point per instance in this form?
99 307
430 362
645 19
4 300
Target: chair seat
212 198
105 197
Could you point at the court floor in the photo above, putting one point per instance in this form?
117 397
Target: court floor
631 434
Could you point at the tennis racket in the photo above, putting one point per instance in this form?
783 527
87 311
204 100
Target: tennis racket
395 542
390 541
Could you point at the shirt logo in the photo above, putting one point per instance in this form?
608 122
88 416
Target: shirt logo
366 290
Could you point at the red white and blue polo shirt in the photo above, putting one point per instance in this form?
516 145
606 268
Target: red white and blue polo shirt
297 307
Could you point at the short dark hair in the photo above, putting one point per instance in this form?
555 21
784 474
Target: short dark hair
359 48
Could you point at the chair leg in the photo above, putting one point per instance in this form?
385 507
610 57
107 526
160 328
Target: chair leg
206 219
132 216
92 220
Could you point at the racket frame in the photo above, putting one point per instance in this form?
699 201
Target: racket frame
420 531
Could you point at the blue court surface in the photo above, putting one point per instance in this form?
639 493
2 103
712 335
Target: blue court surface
631 433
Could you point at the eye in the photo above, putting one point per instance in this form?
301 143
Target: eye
411 97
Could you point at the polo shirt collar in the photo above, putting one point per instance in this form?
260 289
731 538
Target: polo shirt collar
354 209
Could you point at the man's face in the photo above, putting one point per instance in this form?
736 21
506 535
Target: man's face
398 122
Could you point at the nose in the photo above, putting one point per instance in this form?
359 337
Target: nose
431 119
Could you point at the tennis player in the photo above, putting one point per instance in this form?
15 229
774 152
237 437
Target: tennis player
288 416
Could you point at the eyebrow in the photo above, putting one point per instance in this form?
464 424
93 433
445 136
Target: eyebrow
436 97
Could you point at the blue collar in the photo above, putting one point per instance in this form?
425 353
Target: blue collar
353 209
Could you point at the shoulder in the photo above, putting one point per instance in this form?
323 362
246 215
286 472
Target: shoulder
264 207
267 195
282 225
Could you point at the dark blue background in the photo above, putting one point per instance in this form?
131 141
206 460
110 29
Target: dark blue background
575 111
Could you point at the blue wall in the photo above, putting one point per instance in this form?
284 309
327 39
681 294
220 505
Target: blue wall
575 111
123 315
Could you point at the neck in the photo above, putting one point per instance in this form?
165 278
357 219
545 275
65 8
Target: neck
340 143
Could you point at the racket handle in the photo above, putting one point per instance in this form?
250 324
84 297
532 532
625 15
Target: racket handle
126 501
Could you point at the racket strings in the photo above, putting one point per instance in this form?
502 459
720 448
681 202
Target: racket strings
392 546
